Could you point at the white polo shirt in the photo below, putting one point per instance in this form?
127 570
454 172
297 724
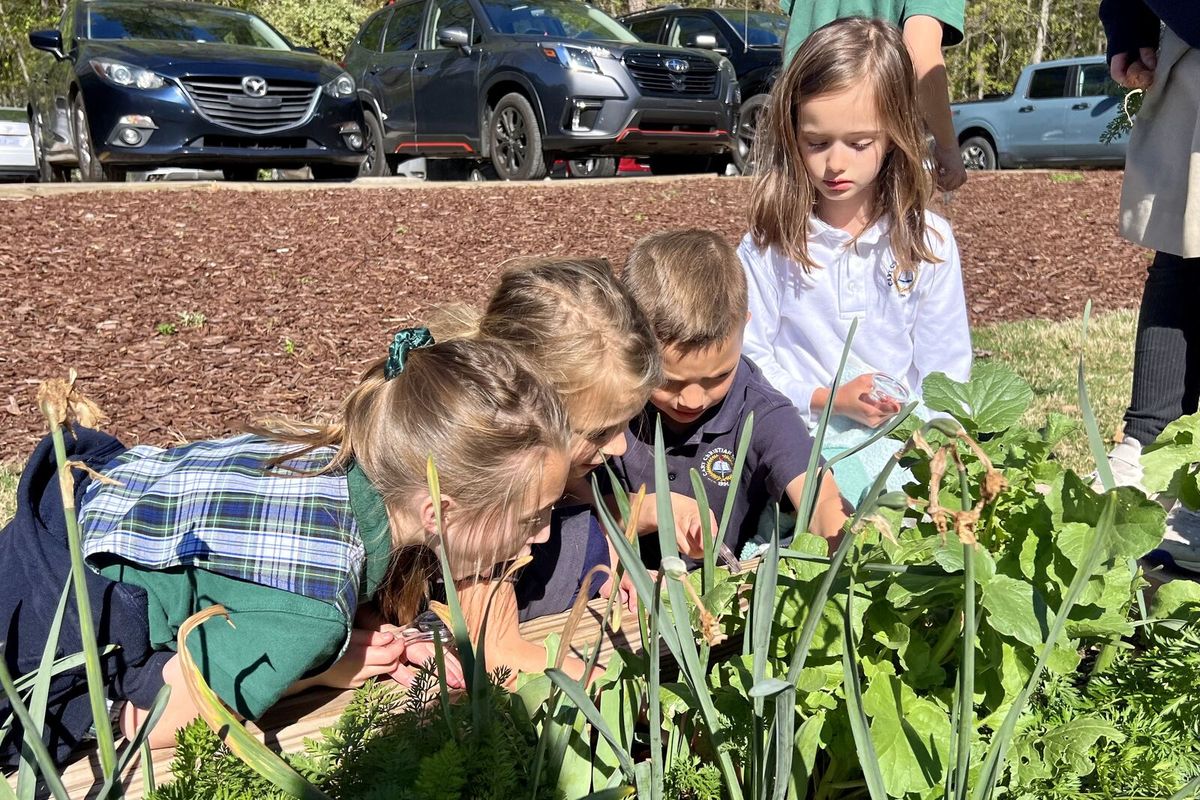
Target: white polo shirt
909 325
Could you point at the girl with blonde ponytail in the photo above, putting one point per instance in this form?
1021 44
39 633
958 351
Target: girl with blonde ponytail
292 527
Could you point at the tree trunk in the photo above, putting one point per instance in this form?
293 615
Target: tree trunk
1043 25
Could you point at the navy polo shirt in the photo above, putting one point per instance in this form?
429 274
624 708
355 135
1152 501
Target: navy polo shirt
779 451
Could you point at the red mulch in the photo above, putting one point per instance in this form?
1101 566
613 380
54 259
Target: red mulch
300 288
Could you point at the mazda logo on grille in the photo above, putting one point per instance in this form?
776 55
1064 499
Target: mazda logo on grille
254 86
676 65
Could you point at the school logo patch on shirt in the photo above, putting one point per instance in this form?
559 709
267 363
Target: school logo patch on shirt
902 280
718 466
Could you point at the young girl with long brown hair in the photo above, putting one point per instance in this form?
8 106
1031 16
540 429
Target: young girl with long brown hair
291 527
840 230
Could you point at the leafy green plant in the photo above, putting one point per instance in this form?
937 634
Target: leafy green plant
165 329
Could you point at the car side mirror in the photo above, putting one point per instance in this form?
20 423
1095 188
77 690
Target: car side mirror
705 41
455 36
48 41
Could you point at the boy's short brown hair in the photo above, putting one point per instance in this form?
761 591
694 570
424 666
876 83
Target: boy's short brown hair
691 286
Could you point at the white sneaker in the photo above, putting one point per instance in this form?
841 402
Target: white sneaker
1125 461
1181 543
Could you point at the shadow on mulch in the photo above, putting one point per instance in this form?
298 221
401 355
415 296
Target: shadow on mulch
188 313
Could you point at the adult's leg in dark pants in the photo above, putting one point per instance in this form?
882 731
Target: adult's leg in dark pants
1166 360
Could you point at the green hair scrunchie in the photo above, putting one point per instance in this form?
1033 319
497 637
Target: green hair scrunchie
405 340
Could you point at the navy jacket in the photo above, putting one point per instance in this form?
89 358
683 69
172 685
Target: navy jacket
34 566
1131 24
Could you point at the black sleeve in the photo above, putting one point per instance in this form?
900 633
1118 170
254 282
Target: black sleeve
1129 25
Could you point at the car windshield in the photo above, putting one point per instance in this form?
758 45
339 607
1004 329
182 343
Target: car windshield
758 28
556 18
179 23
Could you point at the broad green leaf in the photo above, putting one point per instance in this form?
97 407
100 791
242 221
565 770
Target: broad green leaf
1176 449
1178 600
991 401
950 557
1015 609
1139 523
1069 745
911 733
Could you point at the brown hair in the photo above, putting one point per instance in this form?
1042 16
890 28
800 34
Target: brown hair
835 58
582 331
691 286
484 418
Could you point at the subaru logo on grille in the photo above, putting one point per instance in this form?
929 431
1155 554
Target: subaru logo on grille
254 86
676 65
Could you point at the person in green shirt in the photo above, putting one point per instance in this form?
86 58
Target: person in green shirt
928 26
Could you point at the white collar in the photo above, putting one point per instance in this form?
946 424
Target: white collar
829 235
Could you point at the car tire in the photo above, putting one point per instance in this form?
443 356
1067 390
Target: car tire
90 168
47 172
688 165
375 163
749 114
592 167
978 153
333 172
515 140
243 174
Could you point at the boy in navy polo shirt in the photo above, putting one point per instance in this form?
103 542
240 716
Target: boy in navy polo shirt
692 288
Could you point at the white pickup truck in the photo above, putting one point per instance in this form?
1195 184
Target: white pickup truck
1054 117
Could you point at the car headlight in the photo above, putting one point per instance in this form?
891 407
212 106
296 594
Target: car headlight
341 87
580 59
126 75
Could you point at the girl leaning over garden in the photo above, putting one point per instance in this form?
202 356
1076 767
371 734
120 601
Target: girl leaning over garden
291 528
579 327
840 230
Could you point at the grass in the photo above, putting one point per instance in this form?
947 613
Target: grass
8 493
1043 353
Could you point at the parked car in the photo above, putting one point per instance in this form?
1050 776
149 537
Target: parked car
751 40
16 146
525 82
1054 117
139 84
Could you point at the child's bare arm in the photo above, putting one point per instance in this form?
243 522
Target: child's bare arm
830 510
504 645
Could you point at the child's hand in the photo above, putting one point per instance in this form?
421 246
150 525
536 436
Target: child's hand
418 654
627 596
370 654
853 400
689 533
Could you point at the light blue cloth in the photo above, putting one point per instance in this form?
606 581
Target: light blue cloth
855 474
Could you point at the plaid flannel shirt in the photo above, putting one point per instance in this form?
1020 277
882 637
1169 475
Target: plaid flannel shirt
215 505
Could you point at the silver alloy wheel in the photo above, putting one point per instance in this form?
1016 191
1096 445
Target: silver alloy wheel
974 157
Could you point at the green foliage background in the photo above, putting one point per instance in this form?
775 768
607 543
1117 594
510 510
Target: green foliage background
1000 34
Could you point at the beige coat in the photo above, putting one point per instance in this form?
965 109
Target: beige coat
1160 198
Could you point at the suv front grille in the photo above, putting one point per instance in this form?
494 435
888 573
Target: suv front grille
286 104
650 73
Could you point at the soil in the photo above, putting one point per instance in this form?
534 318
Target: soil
188 313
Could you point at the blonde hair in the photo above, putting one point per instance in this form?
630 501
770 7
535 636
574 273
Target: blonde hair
484 418
581 330
691 286
835 58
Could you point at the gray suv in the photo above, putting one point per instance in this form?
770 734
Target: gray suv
522 84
